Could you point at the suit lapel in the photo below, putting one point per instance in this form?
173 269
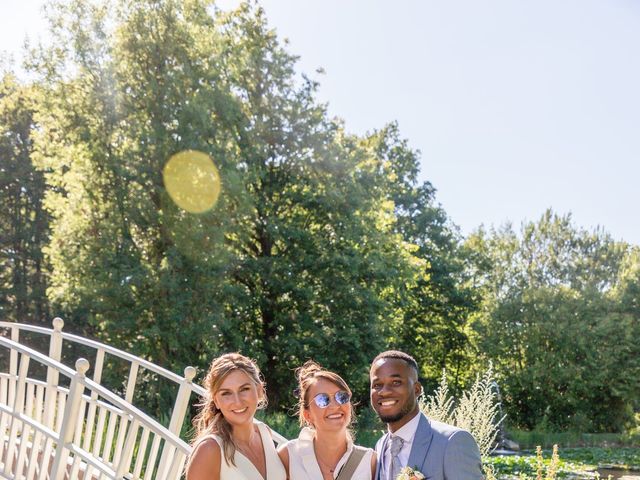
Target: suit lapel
381 465
421 443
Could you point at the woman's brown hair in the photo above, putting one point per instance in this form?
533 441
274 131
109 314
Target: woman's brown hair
209 419
307 375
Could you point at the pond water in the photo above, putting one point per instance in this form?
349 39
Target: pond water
626 474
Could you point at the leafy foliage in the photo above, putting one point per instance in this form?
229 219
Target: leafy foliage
303 255
24 224
476 410
554 322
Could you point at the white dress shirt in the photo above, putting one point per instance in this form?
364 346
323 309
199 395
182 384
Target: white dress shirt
407 432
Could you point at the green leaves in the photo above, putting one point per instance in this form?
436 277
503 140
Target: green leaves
553 323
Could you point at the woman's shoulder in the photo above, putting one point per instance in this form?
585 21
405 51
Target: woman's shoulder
207 447
205 458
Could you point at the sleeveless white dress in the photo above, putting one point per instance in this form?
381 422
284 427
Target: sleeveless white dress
244 469
303 464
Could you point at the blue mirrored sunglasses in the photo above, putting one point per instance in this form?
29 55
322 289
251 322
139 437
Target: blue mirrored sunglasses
323 400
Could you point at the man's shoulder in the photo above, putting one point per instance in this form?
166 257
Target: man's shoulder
445 430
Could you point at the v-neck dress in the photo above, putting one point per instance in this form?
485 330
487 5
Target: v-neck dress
303 464
244 469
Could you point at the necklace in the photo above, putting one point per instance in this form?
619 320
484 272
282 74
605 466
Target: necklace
327 469
324 465
253 451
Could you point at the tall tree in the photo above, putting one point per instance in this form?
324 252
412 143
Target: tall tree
553 322
299 259
434 309
23 222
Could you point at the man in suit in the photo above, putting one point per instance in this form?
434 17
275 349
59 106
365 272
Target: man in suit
437 450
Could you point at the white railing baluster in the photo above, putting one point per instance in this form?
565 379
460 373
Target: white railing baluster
59 412
77 435
33 456
119 445
177 464
46 459
18 407
142 453
13 364
75 467
102 414
127 451
108 442
70 418
22 452
97 377
55 352
4 389
153 456
131 382
179 410
39 403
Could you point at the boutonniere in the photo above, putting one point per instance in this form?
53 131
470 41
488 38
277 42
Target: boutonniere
408 473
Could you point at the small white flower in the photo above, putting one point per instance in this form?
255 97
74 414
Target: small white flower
408 473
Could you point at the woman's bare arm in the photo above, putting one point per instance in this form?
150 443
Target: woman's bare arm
374 464
283 453
205 461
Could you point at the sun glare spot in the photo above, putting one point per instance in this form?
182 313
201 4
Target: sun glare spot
192 181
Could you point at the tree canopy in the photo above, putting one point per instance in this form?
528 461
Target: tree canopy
558 321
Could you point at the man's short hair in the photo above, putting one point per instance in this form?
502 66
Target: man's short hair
397 354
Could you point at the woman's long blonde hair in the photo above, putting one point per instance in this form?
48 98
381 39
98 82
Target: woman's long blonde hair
209 420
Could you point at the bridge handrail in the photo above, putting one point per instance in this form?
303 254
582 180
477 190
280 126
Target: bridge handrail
114 399
185 383
175 450
174 377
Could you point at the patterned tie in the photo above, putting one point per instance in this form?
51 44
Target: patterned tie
395 446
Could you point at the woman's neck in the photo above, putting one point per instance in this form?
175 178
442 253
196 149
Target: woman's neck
330 443
244 433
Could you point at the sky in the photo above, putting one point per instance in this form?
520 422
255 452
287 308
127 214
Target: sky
515 106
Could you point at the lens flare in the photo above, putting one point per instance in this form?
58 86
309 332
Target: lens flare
192 181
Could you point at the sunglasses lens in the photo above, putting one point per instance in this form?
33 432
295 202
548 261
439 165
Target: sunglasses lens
342 397
322 400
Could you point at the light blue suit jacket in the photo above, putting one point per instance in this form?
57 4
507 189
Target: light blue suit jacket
439 451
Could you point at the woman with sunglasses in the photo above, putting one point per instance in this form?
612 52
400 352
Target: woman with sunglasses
229 444
325 450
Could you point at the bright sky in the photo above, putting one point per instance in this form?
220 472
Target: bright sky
516 106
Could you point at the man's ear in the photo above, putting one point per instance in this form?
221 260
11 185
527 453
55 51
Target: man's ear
417 389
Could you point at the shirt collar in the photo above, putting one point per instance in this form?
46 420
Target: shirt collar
305 442
408 430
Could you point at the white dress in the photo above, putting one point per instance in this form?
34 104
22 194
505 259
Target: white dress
244 469
303 464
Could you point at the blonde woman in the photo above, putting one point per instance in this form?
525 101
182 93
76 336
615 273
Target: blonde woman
229 444
325 450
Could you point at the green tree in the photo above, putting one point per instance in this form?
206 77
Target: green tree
433 309
23 222
553 321
300 258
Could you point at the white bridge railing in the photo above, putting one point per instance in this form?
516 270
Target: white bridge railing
49 431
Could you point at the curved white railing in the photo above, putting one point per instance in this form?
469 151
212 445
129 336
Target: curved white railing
81 432
188 392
